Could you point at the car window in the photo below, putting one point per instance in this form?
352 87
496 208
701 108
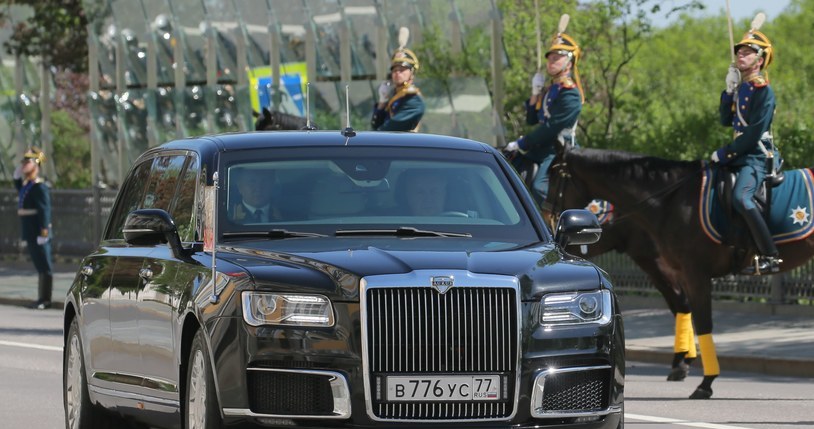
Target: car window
128 200
182 210
164 178
323 191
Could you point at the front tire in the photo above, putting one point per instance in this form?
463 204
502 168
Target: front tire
201 401
80 413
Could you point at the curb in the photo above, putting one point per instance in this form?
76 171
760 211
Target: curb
755 364
19 302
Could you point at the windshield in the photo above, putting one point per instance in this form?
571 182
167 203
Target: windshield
353 190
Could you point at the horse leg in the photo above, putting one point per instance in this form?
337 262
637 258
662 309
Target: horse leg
667 280
699 291
684 351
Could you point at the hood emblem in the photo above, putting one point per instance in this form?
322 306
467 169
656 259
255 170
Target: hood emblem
442 283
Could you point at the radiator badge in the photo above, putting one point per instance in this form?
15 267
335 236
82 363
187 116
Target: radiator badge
442 283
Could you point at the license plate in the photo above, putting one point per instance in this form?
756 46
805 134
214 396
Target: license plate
444 388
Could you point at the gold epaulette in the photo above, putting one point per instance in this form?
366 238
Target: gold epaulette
411 90
565 82
402 92
758 81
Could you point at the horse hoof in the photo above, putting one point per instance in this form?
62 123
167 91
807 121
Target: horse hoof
679 373
701 393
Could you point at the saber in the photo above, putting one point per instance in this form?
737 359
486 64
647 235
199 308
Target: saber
731 38
539 40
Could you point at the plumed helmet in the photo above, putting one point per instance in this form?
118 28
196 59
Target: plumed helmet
759 43
405 58
36 154
402 56
564 44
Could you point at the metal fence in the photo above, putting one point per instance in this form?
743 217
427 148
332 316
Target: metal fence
78 221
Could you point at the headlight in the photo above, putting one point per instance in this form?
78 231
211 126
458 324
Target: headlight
576 307
264 308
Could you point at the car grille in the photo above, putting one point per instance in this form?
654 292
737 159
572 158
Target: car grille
576 391
419 331
284 393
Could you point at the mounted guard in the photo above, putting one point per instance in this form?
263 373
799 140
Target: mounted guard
400 106
748 105
554 108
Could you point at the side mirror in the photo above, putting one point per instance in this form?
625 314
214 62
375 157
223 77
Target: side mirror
150 227
577 227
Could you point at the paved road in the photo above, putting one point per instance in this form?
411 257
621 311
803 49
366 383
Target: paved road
31 398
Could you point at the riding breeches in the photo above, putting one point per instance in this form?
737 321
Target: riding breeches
749 178
540 184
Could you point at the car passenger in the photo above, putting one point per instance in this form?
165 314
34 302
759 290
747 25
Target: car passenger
253 204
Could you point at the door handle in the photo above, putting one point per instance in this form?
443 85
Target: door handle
145 273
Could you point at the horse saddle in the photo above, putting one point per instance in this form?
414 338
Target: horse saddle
785 200
726 185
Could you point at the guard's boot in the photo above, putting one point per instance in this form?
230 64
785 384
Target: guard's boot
767 262
44 288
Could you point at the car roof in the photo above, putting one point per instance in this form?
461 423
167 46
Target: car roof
281 139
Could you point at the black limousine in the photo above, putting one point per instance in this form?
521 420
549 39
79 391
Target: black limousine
328 279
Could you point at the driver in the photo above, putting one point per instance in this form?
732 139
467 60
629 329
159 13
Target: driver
425 192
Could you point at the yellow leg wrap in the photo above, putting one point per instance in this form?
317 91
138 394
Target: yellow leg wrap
692 352
708 356
683 336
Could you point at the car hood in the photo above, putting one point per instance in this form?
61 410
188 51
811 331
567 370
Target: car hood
335 266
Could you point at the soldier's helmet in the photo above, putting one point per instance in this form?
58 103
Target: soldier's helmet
36 154
759 43
564 44
405 58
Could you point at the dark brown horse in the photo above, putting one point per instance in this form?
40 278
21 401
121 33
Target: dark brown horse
268 120
662 197
622 234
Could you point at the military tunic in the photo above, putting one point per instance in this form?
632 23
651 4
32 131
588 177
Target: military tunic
34 210
403 111
556 118
749 111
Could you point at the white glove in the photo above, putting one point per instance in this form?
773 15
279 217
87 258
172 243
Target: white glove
18 172
511 147
42 240
384 92
714 157
733 79
537 83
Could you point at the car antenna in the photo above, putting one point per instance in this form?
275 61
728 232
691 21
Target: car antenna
214 298
348 131
308 126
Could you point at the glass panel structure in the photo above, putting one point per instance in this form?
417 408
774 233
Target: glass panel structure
176 68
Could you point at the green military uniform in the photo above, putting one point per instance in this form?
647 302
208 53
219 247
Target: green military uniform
405 107
749 110
556 117
34 210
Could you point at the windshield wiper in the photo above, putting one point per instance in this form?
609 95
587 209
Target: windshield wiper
402 231
272 234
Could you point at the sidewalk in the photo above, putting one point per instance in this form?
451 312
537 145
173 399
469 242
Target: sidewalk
775 340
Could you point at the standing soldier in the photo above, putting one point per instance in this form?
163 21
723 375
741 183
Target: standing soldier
555 108
400 106
34 209
747 105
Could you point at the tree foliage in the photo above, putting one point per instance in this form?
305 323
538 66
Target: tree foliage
56 32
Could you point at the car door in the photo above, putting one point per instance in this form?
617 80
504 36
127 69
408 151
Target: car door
118 357
159 294
96 274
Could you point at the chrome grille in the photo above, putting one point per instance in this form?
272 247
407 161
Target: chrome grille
419 331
